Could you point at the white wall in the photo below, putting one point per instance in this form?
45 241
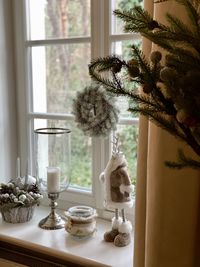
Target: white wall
8 124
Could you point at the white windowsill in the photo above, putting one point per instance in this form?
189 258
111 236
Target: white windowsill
91 252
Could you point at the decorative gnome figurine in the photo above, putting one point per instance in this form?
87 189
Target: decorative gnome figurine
117 189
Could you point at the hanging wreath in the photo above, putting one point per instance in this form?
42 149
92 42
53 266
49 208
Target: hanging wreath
95 111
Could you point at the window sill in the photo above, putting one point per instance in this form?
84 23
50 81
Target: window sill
59 244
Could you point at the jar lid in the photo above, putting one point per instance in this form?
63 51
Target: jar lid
81 213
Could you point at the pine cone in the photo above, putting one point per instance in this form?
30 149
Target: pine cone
147 88
153 25
116 67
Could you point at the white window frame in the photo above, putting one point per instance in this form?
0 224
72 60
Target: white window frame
101 40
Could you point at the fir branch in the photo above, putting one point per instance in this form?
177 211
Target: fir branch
101 65
191 9
183 45
191 141
178 26
151 79
143 100
174 38
161 121
182 55
117 81
109 85
144 65
105 63
114 86
183 162
178 57
136 19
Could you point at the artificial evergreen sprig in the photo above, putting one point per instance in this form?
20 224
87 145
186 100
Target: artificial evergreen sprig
138 20
161 121
170 95
183 162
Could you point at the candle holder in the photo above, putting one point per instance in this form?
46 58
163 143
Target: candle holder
53 221
52 169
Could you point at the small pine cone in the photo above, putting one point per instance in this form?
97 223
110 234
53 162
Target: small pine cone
155 57
133 71
132 62
147 89
168 74
153 25
116 67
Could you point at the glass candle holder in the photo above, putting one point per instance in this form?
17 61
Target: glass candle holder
52 158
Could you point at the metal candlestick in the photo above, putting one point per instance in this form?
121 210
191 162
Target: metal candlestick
53 221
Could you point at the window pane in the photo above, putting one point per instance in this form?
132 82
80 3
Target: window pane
128 138
80 152
123 49
117 24
58 71
59 18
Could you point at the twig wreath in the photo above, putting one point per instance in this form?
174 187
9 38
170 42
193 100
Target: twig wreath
95 111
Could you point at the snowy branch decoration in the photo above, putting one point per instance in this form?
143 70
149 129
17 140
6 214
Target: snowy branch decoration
16 194
95 111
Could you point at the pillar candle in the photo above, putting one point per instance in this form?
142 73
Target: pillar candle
53 179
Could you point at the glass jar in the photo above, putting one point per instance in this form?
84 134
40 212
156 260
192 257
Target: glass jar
81 221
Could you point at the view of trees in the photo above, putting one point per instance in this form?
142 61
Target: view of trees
67 73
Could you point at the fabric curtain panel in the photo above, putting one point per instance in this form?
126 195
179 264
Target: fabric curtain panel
167 214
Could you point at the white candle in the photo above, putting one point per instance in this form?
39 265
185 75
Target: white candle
53 179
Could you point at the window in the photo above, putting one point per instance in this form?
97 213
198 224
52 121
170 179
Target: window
55 41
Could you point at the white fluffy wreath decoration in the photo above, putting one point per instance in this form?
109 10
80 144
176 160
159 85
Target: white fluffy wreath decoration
95 111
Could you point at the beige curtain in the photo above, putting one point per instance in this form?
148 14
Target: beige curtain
167 201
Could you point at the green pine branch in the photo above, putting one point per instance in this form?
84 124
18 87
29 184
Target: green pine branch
98 66
136 19
105 63
180 55
191 8
174 38
161 121
183 46
179 27
143 63
183 162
